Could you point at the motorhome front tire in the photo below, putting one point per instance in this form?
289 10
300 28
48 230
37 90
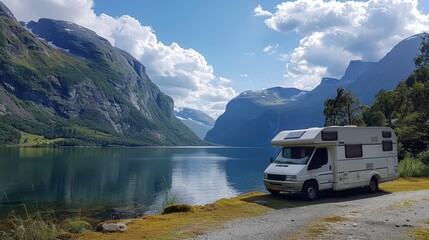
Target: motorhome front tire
310 191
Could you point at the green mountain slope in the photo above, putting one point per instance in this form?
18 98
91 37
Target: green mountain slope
97 96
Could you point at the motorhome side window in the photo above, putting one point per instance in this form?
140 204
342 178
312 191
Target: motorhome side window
321 153
387 134
353 150
294 155
329 135
387 146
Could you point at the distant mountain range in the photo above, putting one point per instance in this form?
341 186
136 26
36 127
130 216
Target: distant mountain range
63 83
198 121
255 117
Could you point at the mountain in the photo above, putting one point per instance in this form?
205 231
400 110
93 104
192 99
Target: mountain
67 85
239 125
396 66
198 121
355 69
247 123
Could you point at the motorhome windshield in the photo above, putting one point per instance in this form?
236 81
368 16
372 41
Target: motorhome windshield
294 155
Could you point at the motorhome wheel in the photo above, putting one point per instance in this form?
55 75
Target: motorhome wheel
310 191
373 185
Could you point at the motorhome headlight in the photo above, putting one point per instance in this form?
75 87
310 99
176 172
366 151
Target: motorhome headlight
265 175
291 178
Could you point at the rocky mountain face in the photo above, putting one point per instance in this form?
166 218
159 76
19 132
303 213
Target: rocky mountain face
239 125
256 119
198 121
63 81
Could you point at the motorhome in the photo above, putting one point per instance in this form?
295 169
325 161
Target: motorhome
338 158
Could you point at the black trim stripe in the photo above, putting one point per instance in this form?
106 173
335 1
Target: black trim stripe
381 168
356 171
324 174
326 183
366 144
363 170
360 158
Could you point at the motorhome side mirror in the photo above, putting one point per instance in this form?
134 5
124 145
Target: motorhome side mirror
271 160
315 163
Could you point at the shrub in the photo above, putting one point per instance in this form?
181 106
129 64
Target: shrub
168 198
177 208
76 225
411 167
424 157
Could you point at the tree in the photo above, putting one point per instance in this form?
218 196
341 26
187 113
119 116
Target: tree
422 59
330 112
386 102
373 117
344 109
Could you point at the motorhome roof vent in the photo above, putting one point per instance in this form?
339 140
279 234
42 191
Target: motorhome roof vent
294 135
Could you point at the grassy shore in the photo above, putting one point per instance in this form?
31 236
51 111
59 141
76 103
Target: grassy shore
209 217
31 140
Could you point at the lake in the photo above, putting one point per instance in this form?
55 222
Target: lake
109 183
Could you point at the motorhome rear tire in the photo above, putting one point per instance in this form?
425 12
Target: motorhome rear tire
310 191
373 185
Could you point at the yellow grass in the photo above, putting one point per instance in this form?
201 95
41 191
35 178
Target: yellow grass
211 216
420 233
405 184
316 229
403 204
189 224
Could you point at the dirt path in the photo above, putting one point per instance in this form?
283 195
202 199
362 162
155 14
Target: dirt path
363 216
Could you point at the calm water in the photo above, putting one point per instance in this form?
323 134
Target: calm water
106 183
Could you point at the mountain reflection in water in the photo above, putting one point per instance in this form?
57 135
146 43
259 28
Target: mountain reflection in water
111 182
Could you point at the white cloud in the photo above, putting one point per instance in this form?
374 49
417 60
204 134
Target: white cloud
335 32
259 11
244 75
249 54
224 80
270 49
184 74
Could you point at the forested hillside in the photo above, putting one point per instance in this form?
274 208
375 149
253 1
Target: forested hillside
405 109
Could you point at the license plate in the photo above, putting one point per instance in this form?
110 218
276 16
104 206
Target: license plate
275 187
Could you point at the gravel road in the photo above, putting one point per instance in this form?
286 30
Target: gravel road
336 216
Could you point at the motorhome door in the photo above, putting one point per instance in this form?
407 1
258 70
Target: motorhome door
320 168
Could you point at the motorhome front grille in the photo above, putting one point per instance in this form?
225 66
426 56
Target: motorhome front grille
276 177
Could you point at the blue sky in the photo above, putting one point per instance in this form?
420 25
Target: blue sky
225 32
204 53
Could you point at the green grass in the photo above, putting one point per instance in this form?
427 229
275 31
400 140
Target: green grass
31 140
46 227
31 228
168 198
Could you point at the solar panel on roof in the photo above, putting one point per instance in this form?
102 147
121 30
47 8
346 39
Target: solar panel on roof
294 135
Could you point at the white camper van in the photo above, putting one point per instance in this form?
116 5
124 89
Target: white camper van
335 158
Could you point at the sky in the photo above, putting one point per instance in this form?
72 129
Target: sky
204 53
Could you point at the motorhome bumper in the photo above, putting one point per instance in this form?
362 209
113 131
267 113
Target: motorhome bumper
283 186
